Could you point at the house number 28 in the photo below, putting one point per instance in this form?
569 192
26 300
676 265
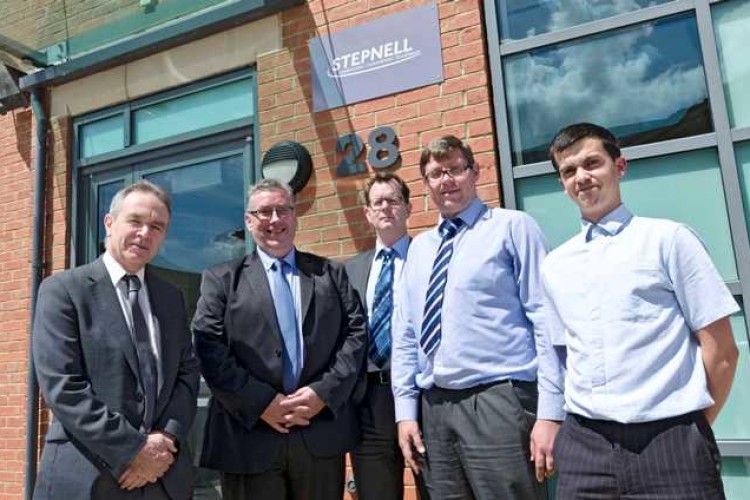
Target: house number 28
382 151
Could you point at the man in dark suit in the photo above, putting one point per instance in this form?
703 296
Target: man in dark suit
376 275
115 364
281 339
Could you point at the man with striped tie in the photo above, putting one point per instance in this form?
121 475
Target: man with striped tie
376 276
465 338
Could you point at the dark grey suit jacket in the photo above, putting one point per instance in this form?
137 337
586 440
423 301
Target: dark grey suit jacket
358 268
240 348
87 368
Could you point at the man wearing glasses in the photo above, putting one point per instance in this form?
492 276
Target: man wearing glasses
376 276
465 342
281 338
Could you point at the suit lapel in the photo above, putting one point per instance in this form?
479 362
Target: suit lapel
103 294
167 346
255 278
359 282
306 287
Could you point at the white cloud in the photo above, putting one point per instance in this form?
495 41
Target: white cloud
613 80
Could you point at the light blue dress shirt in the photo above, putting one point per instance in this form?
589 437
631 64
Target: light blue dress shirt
491 308
292 278
629 292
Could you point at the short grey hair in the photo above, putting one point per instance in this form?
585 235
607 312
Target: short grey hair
269 185
142 186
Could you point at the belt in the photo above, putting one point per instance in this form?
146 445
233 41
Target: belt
380 378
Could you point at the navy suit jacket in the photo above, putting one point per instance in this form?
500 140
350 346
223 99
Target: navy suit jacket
240 348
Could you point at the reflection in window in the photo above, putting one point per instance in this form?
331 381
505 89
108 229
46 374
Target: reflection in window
684 187
733 422
212 106
102 136
207 220
743 165
731 20
646 83
525 18
104 195
208 207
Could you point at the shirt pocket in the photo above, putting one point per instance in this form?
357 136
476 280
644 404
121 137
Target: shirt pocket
638 293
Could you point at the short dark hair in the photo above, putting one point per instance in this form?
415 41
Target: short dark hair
386 178
269 185
571 134
441 148
142 186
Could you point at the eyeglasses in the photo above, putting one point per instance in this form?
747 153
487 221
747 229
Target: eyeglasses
452 172
386 202
266 214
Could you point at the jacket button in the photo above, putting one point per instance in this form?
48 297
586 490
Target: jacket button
278 353
138 397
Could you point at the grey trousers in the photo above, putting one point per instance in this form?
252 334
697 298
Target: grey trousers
671 459
477 442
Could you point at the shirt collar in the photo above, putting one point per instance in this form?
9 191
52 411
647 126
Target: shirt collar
268 260
401 247
116 271
611 224
470 214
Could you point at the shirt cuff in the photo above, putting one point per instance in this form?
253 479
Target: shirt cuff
551 407
406 409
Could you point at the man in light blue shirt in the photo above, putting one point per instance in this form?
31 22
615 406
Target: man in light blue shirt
464 342
650 352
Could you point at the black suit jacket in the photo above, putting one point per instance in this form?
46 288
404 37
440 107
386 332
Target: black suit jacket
87 367
240 348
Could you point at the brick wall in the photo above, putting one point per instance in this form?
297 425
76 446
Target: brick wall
16 179
16 204
331 221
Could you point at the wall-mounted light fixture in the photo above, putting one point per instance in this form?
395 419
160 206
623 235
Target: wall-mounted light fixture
289 162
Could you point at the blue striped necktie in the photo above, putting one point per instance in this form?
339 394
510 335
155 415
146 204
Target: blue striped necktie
286 315
433 305
382 309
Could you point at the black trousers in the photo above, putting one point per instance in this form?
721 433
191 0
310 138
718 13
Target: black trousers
377 461
477 442
296 474
676 458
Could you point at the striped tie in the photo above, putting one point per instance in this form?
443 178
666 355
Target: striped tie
380 323
431 322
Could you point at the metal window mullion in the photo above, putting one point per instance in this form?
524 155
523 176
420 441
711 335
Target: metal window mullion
593 27
733 448
741 134
505 169
663 148
727 160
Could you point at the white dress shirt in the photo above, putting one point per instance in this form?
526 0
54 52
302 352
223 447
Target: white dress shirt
116 273
630 292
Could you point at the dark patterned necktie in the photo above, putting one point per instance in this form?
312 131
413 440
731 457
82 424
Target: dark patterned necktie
146 357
